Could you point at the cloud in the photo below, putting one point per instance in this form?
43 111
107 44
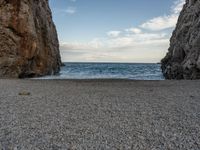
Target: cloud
125 48
134 40
177 7
114 33
73 0
134 30
165 21
160 23
142 52
70 10
91 45
120 42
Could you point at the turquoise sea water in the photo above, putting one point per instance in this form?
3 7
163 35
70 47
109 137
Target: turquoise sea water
132 71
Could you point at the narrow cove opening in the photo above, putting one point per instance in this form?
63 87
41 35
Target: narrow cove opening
113 40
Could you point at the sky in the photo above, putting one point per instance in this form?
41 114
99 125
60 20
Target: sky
115 30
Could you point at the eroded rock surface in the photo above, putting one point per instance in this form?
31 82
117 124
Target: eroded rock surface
183 59
28 39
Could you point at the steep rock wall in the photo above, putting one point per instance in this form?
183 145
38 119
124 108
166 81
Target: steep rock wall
183 59
28 39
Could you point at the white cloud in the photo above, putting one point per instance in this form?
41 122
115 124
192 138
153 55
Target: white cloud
91 45
177 7
127 51
161 23
120 42
114 33
70 10
166 21
73 0
126 48
134 40
134 30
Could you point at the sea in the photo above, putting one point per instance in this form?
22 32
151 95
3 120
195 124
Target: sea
130 71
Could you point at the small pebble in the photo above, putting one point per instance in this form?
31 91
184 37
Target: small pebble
24 93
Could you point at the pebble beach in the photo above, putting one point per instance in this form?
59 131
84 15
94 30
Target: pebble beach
99 114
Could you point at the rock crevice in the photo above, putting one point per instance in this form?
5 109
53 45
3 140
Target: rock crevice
28 39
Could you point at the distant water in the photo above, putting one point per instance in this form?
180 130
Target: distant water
132 71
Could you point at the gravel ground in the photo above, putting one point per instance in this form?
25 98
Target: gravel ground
99 114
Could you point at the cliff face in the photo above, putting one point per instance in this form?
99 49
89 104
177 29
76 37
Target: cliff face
28 39
183 59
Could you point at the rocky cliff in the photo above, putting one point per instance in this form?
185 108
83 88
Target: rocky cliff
28 39
183 59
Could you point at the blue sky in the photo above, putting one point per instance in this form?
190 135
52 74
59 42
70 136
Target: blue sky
114 30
